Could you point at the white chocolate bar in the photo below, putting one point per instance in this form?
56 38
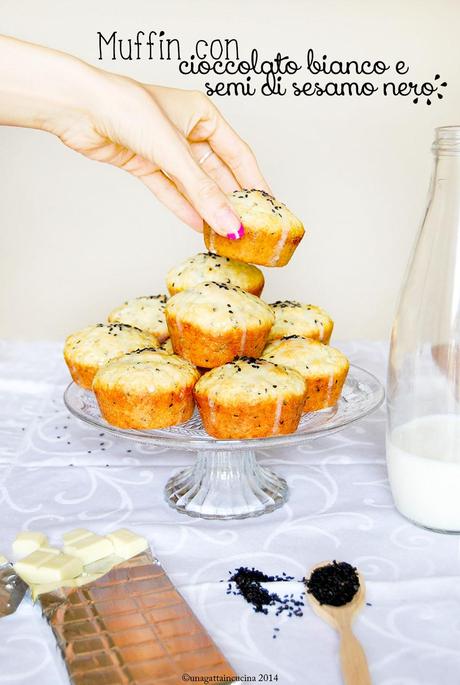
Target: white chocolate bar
127 544
86 545
28 541
48 565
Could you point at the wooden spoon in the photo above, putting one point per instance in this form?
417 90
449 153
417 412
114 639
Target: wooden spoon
355 670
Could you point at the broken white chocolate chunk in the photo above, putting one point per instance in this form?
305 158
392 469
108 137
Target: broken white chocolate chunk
75 534
48 565
86 545
127 544
28 541
3 560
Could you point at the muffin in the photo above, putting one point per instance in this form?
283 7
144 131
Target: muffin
324 368
90 348
212 323
146 313
207 266
294 318
250 398
271 231
146 389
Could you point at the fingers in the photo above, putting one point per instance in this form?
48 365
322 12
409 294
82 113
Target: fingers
203 193
237 155
168 194
156 139
205 156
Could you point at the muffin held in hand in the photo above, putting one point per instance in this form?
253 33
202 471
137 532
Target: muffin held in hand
212 323
146 389
324 368
146 313
207 266
294 318
271 231
90 348
250 398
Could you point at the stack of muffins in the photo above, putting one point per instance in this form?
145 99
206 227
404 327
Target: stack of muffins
251 368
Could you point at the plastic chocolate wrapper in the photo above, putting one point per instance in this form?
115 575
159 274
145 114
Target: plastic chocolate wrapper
12 589
131 627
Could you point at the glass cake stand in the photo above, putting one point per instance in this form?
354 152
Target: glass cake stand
226 482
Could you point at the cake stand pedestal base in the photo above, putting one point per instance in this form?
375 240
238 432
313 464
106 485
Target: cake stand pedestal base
226 484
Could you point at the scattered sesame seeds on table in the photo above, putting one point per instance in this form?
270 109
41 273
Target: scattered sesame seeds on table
58 474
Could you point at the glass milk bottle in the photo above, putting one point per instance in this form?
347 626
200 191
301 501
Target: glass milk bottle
423 428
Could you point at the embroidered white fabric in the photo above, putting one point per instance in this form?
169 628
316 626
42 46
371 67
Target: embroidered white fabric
57 473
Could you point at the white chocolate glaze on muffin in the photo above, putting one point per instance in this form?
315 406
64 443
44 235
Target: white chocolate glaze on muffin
146 389
272 231
146 370
219 307
207 266
308 357
146 313
295 318
250 398
97 344
247 380
323 367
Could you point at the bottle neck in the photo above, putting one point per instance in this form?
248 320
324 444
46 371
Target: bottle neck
446 174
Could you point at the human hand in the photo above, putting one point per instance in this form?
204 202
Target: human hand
175 141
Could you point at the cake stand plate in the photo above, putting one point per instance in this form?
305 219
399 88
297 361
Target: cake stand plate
226 481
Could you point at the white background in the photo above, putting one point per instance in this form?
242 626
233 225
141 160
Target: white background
77 238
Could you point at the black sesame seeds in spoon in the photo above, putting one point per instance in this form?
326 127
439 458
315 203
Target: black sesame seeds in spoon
335 584
336 592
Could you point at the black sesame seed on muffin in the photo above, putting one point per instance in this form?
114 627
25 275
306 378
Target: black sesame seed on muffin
146 389
295 318
146 312
250 398
90 348
207 266
212 322
271 231
323 367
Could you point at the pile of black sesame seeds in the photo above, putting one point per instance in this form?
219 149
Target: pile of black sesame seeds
247 583
334 584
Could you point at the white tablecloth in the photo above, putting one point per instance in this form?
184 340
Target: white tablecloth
57 473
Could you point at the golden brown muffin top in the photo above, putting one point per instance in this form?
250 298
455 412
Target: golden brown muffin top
248 380
146 313
97 344
219 307
262 212
207 266
295 318
146 370
310 358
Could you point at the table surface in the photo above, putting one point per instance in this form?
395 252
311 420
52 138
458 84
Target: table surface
57 473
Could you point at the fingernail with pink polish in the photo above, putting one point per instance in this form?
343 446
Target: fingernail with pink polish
235 236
